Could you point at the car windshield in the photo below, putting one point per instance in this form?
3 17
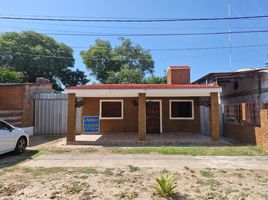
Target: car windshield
4 126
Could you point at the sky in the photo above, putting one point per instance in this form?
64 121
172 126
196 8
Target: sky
200 61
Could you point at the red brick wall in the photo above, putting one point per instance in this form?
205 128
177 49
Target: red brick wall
11 97
130 122
21 97
245 133
178 75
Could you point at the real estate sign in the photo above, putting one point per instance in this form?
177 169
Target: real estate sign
91 124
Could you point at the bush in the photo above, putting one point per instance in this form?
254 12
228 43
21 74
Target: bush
8 76
165 185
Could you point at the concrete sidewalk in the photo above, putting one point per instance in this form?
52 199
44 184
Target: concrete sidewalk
171 162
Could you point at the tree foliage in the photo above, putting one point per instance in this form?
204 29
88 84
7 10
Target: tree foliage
37 55
107 63
126 75
156 80
8 76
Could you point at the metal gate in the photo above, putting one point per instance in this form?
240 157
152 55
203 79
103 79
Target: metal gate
50 114
205 120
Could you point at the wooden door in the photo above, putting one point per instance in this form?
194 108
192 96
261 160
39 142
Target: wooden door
152 117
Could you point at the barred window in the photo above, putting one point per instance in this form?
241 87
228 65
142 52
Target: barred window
253 114
233 113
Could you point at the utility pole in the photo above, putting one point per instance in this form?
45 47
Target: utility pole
230 34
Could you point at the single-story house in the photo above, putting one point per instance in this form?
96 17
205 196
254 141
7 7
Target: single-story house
143 108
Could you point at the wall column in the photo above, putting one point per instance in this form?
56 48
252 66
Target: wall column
71 118
214 116
142 116
261 132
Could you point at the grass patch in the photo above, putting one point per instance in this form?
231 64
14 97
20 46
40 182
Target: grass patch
108 172
248 150
39 171
132 168
75 187
86 170
207 173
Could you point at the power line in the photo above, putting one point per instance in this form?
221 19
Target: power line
171 49
154 34
129 20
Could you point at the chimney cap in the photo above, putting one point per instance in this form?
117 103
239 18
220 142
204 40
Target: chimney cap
179 67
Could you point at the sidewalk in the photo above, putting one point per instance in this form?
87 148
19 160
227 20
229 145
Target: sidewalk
170 162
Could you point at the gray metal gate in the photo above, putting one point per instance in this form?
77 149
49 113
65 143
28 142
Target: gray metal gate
50 114
205 120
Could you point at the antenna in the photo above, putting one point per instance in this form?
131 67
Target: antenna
230 34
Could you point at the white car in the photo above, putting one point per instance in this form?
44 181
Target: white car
12 138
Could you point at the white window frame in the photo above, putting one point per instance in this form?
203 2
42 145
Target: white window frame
112 100
181 118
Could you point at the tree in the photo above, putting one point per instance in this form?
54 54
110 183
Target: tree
8 76
125 76
71 78
105 61
37 55
155 80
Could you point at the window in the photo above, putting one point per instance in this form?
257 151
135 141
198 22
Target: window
4 126
181 109
111 109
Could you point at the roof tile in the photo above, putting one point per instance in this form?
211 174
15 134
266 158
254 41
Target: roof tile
143 86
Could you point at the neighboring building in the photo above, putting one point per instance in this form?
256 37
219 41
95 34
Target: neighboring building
17 103
244 101
143 108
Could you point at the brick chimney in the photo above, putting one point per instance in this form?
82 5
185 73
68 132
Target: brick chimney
178 75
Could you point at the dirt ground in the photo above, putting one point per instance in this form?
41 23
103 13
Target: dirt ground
126 183
129 183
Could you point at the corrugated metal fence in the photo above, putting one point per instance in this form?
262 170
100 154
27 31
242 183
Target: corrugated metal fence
50 114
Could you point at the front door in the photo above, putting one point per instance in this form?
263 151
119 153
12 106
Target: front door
152 117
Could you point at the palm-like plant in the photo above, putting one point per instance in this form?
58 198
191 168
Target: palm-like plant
165 185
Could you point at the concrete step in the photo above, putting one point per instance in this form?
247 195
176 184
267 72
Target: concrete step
12 119
9 113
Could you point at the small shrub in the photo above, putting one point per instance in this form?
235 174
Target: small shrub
133 168
165 185
108 172
207 173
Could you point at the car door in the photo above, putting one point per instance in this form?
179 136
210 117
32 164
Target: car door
7 139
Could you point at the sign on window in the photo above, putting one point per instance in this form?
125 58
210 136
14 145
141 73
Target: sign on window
91 124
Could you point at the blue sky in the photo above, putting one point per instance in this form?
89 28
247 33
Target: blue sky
201 62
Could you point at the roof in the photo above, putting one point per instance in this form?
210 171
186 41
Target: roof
226 76
142 86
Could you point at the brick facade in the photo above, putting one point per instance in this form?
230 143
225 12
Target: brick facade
17 101
130 122
178 75
71 118
214 116
250 134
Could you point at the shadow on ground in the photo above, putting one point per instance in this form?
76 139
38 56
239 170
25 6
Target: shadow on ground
11 159
36 140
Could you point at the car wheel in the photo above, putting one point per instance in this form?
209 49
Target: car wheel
21 145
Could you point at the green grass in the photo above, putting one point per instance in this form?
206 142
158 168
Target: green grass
248 150
133 168
39 171
207 173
